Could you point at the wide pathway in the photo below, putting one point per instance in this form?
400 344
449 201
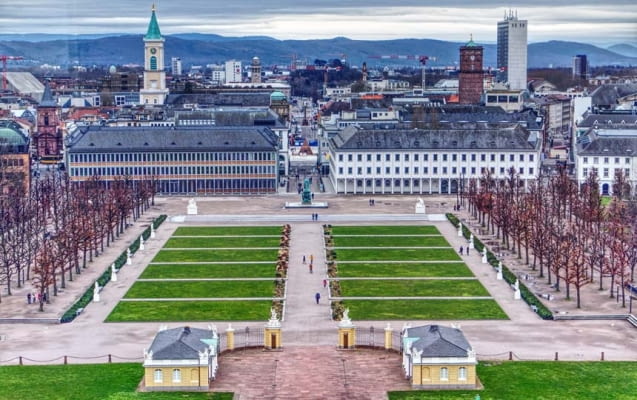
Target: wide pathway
302 315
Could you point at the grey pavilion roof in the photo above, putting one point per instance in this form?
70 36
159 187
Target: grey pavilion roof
166 138
607 119
447 136
179 343
439 341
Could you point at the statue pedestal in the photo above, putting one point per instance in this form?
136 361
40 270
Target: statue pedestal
420 208
192 207
517 295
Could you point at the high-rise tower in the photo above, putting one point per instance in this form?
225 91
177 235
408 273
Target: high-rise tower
512 50
255 70
580 67
154 91
471 73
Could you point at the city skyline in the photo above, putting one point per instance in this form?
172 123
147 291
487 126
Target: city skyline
582 20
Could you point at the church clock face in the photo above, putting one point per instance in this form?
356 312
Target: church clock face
153 50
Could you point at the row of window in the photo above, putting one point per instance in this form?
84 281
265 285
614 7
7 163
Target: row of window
160 171
165 156
462 374
434 170
158 375
434 157
606 160
606 172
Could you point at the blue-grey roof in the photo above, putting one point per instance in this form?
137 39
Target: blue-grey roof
439 341
447 136
607 119
608 142
165 138
183 343
47 98
607 95
243 99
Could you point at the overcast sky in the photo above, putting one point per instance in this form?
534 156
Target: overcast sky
593 21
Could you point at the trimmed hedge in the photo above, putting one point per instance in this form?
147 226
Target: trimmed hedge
508 276
120 261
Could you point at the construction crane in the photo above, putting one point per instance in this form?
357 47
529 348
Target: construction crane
4 59
422 59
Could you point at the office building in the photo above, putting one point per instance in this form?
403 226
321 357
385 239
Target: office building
580 67
176 67
233 71
512 51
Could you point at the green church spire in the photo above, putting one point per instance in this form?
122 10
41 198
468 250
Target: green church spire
153 27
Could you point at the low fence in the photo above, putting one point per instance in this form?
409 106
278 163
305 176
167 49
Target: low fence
102 359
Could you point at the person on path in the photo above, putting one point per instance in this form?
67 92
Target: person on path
303 259
317 296
461 250
311 258
311 268
467 250
28 298
324 283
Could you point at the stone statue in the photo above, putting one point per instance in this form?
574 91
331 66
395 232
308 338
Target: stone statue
345 315
192 207
273 316
141 242
96 292
306 194
516 285
420 206
113 273
471 241
459 229
152 231
128 260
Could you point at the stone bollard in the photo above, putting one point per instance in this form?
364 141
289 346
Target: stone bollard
388 336
230 337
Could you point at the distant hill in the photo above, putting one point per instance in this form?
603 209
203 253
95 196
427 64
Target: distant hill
624 49
202 49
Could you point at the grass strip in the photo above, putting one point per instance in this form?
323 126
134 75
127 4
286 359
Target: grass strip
351 270
546 380
179 311
200 289
117 381
385 230
182 242
380 254
409 287
227 230
389 241
424 309
215 255
184 271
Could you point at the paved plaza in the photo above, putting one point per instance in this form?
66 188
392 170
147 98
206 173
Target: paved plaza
309 334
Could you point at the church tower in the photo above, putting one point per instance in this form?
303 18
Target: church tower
154 91
48 137
471 73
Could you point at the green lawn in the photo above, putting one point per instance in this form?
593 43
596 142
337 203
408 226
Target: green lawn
380 254
245 241
177 311
390 241
385 230
227 230
424 309
177 271
543 380
85 381
347 270
200 289
215 255
412 287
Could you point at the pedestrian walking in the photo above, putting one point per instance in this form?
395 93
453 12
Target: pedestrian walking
28 298
467 250
311 258
461 248
324 283
311 268
304 259
317 296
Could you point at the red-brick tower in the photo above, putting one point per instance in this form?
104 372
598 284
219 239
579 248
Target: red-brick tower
48 137
471 73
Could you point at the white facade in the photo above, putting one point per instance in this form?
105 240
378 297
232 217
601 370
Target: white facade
233 71
423 170
512 50
176 66
607 151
